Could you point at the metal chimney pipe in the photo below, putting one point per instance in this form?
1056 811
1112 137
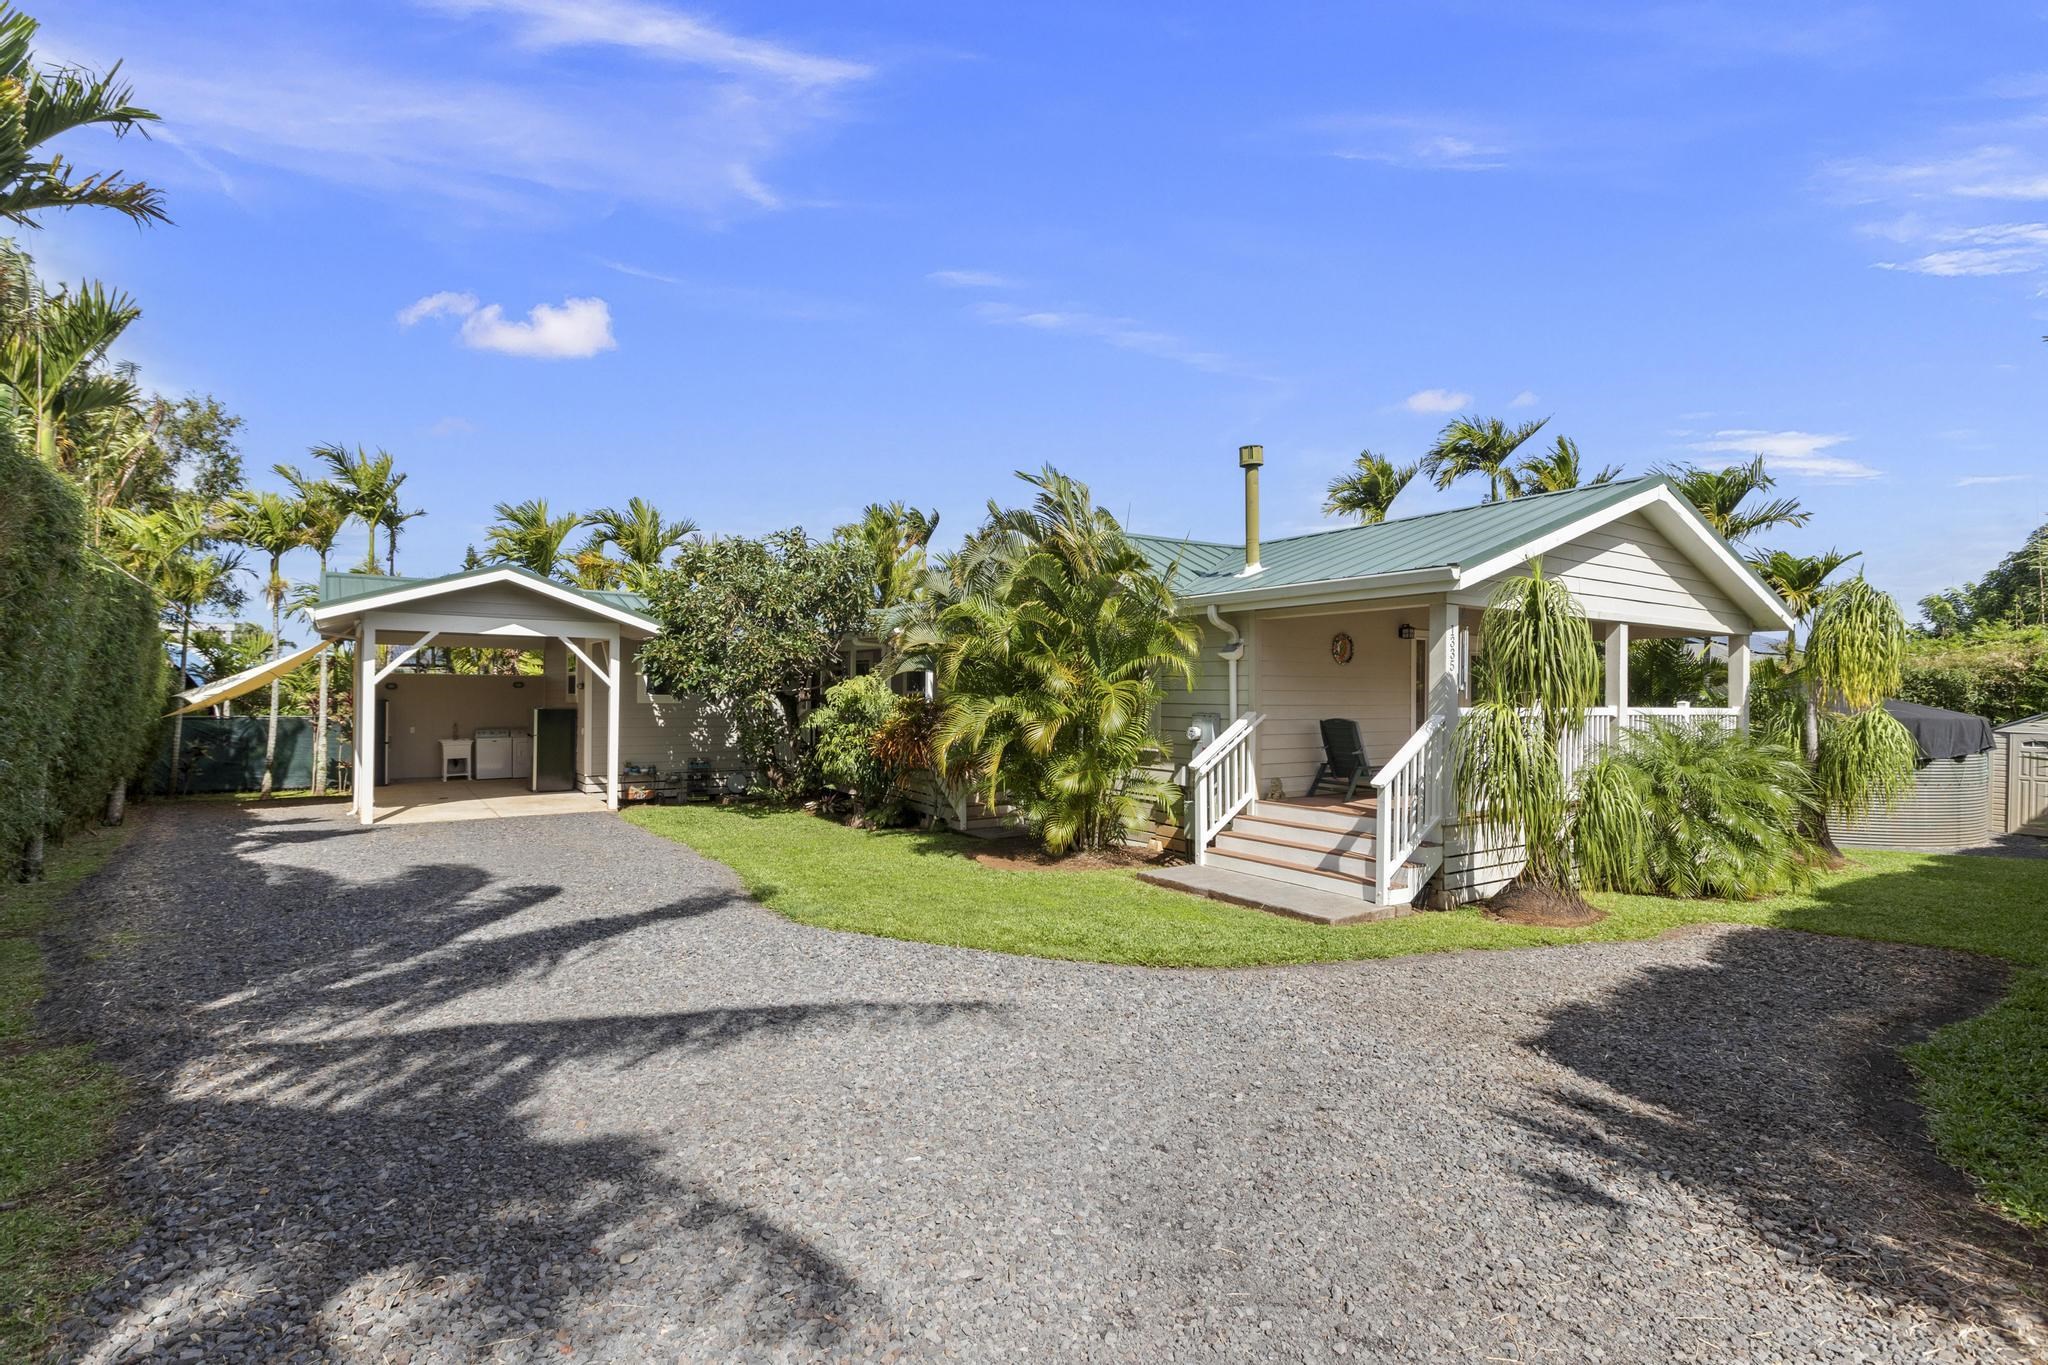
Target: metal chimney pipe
1250 458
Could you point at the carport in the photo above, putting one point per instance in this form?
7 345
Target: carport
489 608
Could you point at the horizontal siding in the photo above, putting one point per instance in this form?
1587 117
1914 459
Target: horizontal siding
666 734
1299 684
1950 808
1479 860
1628 571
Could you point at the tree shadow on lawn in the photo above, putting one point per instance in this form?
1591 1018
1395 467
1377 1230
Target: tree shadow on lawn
315 1152
1767 1079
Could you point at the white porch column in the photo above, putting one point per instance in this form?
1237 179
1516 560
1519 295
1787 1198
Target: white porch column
1738 679
1445 640
611 721
1617 674
366 723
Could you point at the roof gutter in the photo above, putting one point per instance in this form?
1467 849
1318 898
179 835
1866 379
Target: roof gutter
1324 590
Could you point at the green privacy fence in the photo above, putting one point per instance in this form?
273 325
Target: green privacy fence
225 754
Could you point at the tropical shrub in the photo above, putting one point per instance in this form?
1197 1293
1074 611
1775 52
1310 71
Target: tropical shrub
843 743
1051 634
752 626
1716 814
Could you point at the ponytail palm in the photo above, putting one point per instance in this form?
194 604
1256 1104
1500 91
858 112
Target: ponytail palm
1854 651
1050 659
1542 674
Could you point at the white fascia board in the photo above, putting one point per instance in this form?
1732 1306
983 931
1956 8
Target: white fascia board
1677 519
394 597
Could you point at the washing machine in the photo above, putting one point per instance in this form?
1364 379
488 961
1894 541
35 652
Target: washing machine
493 752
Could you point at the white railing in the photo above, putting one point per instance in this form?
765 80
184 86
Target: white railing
1603 727
1222 780
1411 796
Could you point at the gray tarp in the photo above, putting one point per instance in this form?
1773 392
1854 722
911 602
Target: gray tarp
1942 734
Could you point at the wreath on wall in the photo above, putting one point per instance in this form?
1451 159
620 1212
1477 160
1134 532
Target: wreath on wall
1341 648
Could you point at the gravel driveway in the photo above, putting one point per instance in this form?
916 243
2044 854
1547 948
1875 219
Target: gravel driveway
554 1089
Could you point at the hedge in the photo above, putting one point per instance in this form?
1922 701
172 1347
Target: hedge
2000 673
83 674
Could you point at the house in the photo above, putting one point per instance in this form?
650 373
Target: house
588 716
1378 624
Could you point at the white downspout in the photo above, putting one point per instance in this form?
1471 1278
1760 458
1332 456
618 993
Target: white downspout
1230 654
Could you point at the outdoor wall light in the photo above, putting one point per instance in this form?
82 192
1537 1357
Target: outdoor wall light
1407 632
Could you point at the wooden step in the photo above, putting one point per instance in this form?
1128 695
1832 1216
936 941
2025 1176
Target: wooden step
1259 865
1299 853
1338 817
1359 841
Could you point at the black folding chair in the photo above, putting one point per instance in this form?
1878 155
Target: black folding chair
1344 759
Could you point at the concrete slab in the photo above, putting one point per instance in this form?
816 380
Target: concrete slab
1263 893
420 803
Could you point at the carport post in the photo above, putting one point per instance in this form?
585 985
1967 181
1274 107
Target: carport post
366 723
611 720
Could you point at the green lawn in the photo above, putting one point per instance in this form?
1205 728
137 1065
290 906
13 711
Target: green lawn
1985 1081
57 1109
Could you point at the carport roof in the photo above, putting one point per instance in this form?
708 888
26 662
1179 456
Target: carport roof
343 593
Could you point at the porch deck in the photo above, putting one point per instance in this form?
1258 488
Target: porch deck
1267 893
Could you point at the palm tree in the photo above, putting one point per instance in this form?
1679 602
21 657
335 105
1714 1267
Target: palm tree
368 486
1719 494
41 103
528 535
325 517
1479 445
1368 490
1542 673
1801 582
1557 470
1051 663
642 537
893 540
393 521
186 583
275 525
51 354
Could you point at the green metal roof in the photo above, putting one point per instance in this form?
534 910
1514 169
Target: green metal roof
1435 540
343 587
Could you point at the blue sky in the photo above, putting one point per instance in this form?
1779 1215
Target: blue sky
792 259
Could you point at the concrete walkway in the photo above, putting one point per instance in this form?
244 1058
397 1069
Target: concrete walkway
413 803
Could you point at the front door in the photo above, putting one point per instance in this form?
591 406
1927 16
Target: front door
2026 785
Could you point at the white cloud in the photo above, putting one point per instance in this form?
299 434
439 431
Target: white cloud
1525 399
1791 452
657 31
576 329
1977 480
1417 142
688 115
971 279
1436 400
1993 249
1126 334
452 426
447 303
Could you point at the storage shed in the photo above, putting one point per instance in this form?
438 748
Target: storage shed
1950 806
2019 777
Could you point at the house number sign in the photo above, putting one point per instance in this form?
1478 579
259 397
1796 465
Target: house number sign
1340 647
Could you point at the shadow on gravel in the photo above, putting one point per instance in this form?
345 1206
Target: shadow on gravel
335 1155
1768 1078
